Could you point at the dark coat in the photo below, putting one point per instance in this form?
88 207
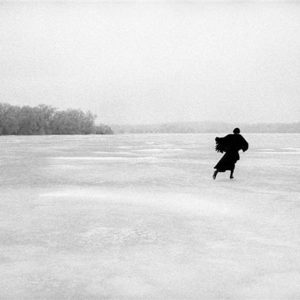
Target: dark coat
231 144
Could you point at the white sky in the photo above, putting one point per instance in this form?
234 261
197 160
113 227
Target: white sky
141 62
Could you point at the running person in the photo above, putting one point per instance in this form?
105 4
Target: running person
231 144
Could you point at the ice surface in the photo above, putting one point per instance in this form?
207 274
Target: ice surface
139 217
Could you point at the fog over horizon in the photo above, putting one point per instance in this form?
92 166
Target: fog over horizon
154 62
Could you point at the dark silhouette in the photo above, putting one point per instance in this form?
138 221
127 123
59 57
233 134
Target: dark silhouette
231 144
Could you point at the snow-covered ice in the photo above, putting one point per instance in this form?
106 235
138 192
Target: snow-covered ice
139 217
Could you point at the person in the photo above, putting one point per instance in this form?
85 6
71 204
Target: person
231 144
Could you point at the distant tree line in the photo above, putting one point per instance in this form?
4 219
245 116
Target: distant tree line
44 119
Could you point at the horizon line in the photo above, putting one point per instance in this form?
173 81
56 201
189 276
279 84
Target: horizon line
199 122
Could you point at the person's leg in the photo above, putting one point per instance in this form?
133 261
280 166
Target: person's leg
231 173
215 174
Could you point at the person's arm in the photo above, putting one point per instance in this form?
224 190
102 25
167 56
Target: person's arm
245 145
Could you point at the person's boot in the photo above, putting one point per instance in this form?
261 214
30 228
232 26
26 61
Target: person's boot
215 174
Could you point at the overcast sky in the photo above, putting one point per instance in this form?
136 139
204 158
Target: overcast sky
142 62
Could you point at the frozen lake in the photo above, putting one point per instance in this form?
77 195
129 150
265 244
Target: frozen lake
139 217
